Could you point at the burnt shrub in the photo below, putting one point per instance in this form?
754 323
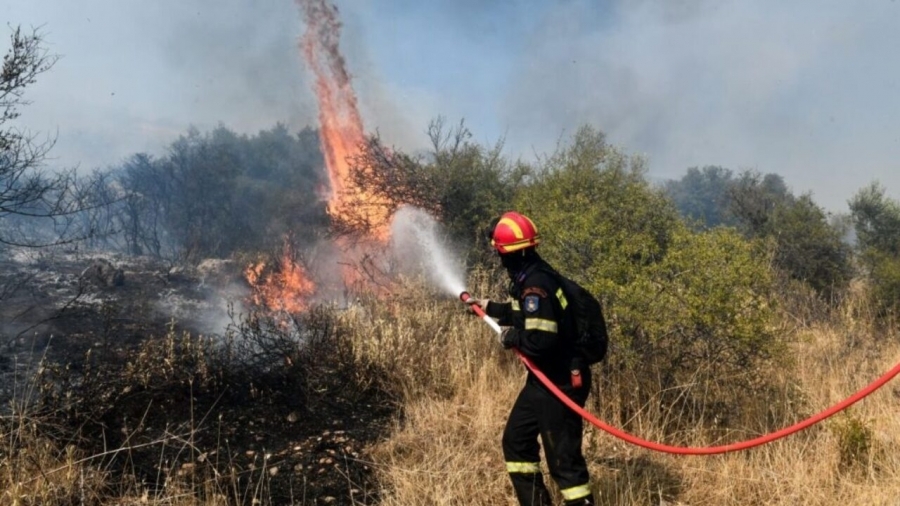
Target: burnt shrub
208 411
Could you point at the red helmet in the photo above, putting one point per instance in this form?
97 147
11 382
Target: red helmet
513 232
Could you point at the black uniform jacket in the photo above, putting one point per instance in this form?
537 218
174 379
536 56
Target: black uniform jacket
541 329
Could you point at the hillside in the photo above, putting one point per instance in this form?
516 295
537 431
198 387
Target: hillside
400 405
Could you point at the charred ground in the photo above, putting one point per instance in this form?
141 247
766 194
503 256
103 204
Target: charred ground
161 383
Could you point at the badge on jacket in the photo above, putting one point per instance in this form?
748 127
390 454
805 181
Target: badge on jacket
532 303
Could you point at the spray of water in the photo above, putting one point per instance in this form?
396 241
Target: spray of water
419 246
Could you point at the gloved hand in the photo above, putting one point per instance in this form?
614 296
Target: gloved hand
481 302
506 337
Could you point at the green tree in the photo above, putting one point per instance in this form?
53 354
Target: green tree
753 200
807 247
703 195
684 308
876 219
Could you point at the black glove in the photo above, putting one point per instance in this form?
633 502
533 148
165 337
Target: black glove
473 301
507 337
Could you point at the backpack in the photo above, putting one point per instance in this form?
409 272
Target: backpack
591 339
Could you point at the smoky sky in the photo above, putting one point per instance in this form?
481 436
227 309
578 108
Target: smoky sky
132 76
809 89
806 89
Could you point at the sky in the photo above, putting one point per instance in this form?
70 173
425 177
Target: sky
808 89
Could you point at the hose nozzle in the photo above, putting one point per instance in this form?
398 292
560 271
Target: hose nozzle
478 310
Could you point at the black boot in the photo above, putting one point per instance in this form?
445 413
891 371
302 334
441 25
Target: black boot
583 501
530 489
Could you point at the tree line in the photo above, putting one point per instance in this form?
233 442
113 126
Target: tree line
690 271
212 194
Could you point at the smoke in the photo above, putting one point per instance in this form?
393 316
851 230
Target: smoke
419 247
132 77
805 89
236 62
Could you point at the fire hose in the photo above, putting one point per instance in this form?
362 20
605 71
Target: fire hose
685 450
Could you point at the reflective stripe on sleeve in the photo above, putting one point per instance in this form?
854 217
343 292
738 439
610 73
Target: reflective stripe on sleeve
515 306
523 467
562 298
541 324
573 493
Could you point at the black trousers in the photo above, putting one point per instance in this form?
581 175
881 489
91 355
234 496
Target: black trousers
537 412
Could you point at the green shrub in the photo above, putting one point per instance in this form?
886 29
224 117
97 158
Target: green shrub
601 221
855 441
876 219
702 320
884 278
690 314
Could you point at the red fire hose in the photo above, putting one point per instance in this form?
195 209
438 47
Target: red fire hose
682 450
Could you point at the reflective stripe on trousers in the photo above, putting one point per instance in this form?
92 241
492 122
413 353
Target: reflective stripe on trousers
573 493
523 467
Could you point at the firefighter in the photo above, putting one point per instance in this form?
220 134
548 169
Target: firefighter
536 323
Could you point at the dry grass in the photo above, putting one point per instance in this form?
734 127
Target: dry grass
455 386
33 470
36 469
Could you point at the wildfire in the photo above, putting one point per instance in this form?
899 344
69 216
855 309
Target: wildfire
287 287
340 125
350 204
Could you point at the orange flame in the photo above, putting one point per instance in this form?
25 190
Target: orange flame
342 136
341 127
286 288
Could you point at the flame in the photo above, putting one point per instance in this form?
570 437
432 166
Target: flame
285 288
340 124
350 204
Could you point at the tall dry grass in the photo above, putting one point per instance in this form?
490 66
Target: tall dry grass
456 386
58 446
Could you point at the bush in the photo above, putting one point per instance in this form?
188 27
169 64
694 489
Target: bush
876 219
600 220
689 313
855 439
196 417
702 320
884 280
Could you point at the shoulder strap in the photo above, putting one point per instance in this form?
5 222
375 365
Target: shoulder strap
526 271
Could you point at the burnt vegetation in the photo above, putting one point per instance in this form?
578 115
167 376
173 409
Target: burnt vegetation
111 373
219 193
37 207
277 411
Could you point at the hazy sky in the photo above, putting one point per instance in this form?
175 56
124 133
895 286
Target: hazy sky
809 89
